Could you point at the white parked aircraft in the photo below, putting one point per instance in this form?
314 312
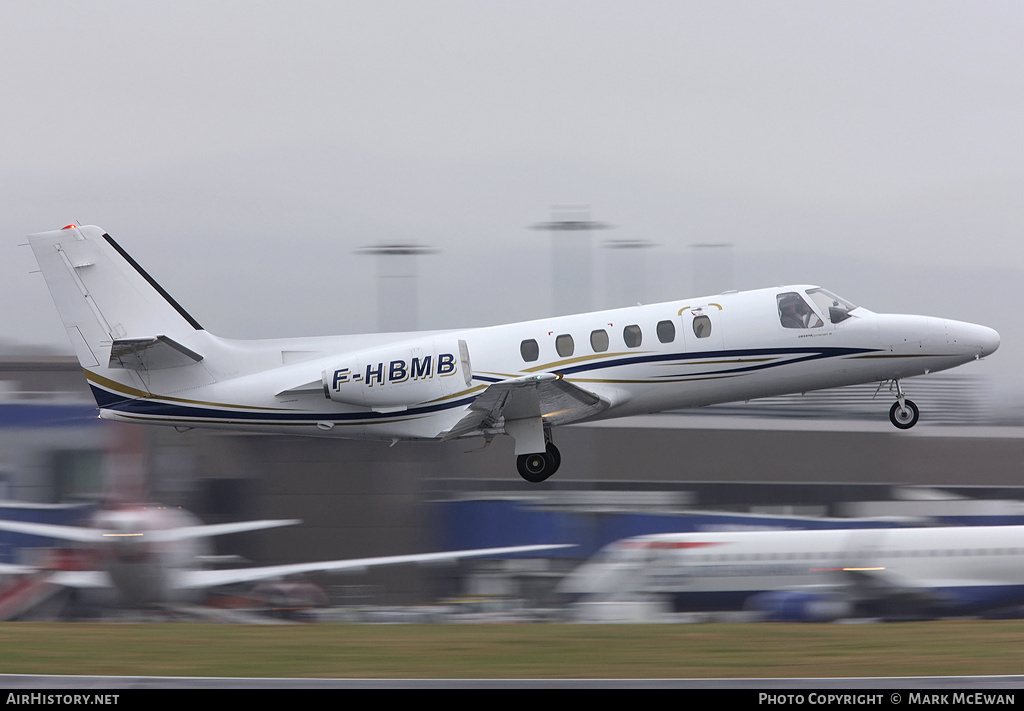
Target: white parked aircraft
147 360
815 575
151 554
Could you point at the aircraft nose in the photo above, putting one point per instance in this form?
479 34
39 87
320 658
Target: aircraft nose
989 341
973 338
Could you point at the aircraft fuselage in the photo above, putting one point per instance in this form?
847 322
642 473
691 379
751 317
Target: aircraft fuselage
747 355
814 574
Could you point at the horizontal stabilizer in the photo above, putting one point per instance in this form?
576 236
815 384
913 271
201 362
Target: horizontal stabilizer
155 353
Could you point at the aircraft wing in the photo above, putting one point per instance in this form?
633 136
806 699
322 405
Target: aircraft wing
92 579
216 529
213 578
14 569
80 534
83 534
545 395
883 587
67 578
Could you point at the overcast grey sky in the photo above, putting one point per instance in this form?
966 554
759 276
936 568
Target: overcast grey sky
242 151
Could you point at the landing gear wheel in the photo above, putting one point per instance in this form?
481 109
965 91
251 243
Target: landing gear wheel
555 455
537 467
904 417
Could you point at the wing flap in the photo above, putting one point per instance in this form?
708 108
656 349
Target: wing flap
547 395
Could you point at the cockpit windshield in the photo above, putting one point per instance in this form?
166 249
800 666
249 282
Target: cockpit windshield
796 312
834 308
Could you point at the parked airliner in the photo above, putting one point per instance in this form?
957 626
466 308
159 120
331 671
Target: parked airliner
153 555
815 575
147 360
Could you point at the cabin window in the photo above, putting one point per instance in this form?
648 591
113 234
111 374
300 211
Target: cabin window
702 326
599 340
564 345
794 312
633 336
666 331
530 350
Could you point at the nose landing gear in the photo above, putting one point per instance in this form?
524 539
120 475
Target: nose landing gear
904 413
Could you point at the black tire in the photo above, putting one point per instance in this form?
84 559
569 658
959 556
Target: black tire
556 456
906 417
537 467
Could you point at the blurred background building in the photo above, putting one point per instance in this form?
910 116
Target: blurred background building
795 462
397 285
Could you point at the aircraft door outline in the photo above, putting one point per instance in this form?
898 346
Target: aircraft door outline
702 328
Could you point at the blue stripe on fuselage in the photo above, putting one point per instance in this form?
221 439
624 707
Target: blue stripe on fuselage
156 407
805 353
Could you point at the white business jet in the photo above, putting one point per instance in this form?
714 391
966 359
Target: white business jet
147 360
815 575
152 555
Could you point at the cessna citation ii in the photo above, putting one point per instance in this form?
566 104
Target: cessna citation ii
147 360
815 575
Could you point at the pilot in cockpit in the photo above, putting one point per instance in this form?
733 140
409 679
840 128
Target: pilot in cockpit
794 312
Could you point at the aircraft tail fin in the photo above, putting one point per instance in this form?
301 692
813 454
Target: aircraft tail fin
125 329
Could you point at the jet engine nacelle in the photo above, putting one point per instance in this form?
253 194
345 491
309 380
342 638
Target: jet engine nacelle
797 606
397 377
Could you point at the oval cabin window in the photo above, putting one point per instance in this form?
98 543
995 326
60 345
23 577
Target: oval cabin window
564 345
529 350
633 336
701 326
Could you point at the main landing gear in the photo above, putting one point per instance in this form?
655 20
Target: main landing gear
904 413
539 466
536 457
